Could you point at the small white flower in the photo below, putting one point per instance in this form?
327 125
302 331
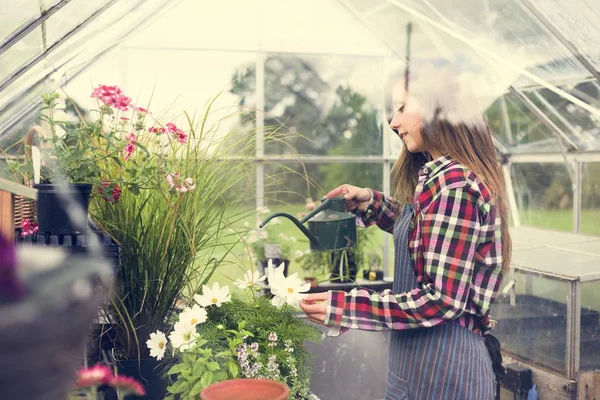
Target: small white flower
264 210
283 236
157 345
288 291
193 316
216 295
184 336
293 239
250 279
246 224
298 253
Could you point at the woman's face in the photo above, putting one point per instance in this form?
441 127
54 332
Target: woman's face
407 119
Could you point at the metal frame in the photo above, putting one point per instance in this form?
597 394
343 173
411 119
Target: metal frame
32 62
577 195
25 29
573 329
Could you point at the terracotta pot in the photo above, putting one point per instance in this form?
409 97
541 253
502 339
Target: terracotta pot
246 389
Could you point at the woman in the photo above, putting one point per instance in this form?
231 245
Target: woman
449 221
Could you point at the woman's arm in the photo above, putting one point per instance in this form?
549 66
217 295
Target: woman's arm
449 239
370 206
381 210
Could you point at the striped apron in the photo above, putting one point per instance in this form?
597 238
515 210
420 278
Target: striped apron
446 362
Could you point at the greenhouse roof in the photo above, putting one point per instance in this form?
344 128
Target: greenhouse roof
539 58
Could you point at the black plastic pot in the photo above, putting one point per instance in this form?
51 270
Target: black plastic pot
52 216
146 371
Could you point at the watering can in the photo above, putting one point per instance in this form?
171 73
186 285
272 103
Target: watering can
330 226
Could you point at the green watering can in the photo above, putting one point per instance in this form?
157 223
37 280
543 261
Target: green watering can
330 227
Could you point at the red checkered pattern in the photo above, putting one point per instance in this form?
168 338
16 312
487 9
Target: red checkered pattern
455 247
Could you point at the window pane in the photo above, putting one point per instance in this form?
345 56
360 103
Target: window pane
582 127
20 53
288 186
590 319
543 194
590 196
578 21
14 14
533 329
333 102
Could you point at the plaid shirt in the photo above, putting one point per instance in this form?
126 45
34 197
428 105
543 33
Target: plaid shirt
456 253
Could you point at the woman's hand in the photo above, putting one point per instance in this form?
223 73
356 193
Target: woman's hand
315 306
355 197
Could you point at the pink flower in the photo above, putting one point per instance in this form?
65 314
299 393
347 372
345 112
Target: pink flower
124 119
181 137
179 185
110 192
94 376
140 109
156 130
130 146
171 128
28 227
170 178
127 385
112 96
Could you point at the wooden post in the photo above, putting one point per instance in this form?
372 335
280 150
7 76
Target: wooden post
7 215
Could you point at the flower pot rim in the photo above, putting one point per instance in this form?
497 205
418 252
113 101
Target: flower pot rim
249 384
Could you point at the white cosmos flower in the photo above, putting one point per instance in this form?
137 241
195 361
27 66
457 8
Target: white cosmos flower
157 345
194 316
184 336
288 291
216 295
250 279
275 274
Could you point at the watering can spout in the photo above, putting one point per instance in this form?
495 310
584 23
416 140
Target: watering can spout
306 232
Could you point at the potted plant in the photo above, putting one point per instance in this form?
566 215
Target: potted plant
217 338
73 153
172 228
345 264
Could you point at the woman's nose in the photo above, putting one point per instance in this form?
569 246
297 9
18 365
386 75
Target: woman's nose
395 123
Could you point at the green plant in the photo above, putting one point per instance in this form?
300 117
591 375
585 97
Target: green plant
173 233
84 145
232 338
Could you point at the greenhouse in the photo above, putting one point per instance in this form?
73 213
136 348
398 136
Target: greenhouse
196 199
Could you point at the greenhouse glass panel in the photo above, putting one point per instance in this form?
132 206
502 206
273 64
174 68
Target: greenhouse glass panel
577 20
16 13
590 196
543 195
582 127
69 17
509 25
590 324
532 321
18 55
527 132
328 104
